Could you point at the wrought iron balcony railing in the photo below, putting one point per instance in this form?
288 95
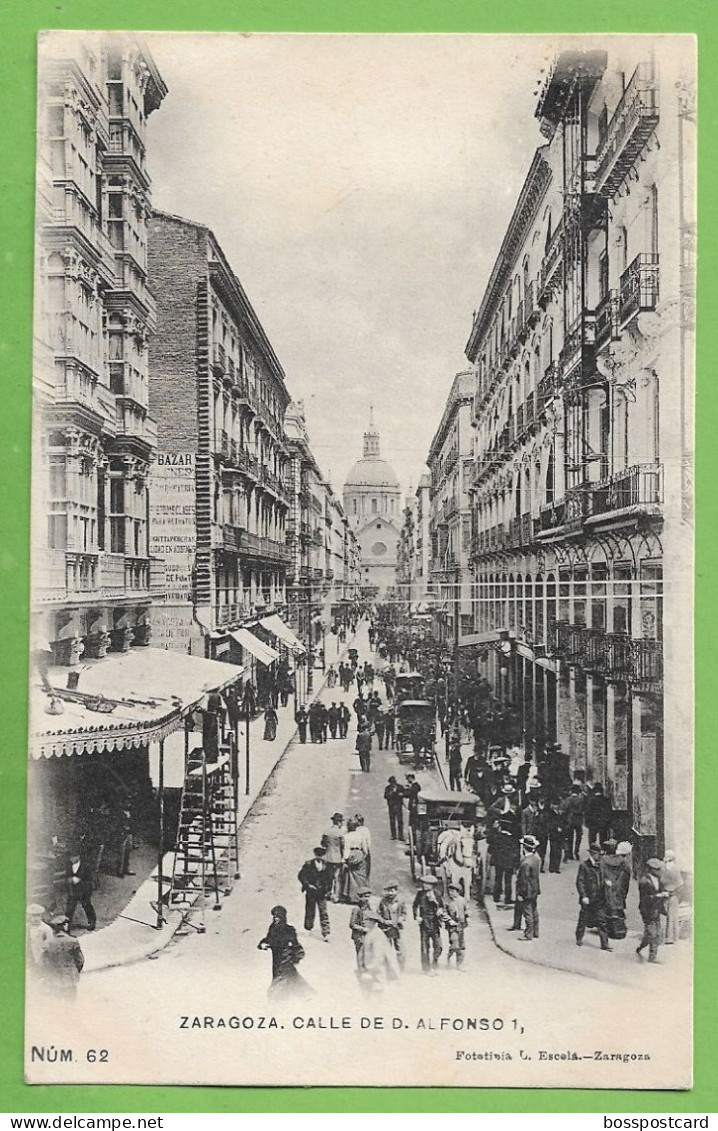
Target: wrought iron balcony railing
638 288
640 485
631 124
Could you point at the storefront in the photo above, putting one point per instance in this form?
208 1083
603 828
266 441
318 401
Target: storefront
97 759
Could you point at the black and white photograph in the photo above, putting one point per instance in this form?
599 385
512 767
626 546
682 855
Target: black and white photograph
361 656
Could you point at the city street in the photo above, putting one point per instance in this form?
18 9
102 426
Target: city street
204 978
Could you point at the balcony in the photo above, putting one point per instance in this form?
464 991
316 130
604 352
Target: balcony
578 343
530 411
576 508
612 655
547 388
550 274
551 515
570 642
638 486
219 360
646 665
607 319
638 288
258 546
632 123
74 576
137 575
158 578
232 538
132 421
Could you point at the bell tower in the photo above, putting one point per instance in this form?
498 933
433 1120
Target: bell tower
371 438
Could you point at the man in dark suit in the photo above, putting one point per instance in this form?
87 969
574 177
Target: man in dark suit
528 889
316 881
301 719
79 890
592 898
344 719
652 900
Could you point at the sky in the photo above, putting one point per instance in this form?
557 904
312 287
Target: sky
360 186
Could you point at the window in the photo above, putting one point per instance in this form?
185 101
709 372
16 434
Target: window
623 247
117 516
602 124
654 220
58 477
57 531
373 506
603 274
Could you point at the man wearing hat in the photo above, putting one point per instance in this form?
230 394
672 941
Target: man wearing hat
652 898
333 842
528 889
316 881
301 719
504 832
591 888
63 960
358 925
457 919
428 908
393 913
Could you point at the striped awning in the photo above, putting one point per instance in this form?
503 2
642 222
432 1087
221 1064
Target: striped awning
123 701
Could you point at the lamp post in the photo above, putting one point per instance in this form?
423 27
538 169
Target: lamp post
246 748
161 835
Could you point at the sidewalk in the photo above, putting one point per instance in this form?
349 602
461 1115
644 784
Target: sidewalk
556 948
133 936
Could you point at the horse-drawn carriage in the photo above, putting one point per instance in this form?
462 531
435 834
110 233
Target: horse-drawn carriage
447 838
408 685
415 732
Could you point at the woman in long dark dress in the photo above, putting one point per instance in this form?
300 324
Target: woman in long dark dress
270 724
281 939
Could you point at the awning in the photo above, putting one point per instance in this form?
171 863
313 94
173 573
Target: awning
126 700
253 644
283 632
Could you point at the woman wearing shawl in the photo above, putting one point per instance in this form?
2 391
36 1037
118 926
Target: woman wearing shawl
281 939
270 724
617 880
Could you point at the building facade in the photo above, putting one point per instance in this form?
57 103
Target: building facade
583 349
93 436
324 564
372 503
422 539
450 463
220 489
406 557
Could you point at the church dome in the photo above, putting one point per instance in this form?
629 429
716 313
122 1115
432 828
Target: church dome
371 470
372 473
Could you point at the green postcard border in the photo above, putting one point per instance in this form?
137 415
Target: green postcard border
19 23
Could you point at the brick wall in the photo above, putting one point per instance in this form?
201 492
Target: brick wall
177 261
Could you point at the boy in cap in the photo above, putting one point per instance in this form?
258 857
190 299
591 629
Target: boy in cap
316 880
393 913
652 904
428 908
358 925
457 919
